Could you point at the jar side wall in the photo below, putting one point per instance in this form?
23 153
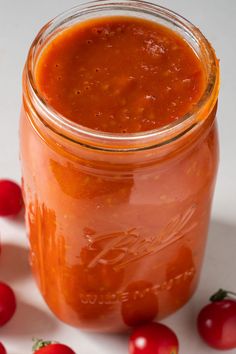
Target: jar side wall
119 249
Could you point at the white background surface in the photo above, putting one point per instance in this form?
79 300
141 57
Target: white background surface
19 23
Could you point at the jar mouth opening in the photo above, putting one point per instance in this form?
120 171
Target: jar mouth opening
126 141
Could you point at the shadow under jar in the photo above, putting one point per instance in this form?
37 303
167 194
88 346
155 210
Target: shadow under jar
117 222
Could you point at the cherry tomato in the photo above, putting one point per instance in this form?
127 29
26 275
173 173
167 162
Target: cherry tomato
54 348
11 200
153 338
7 303
217 324
2 349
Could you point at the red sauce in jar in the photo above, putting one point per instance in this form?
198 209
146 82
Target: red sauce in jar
120 75
117 236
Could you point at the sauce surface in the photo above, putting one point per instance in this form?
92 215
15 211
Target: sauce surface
120 75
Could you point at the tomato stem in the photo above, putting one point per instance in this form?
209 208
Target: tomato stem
221 294
39 343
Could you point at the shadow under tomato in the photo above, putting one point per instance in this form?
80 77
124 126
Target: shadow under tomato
29 321
14 263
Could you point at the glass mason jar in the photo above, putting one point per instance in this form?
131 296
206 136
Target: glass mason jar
117 223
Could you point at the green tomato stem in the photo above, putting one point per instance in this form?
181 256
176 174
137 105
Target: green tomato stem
222 294
39 343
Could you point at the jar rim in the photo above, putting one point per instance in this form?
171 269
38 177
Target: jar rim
123 141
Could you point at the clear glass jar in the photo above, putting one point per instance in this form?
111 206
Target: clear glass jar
117 223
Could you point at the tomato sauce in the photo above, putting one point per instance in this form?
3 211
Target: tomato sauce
117 235
120 75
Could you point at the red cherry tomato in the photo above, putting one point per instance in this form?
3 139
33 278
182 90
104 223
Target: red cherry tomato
55 348
7 303
2 349
153 338
217 324
11 200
